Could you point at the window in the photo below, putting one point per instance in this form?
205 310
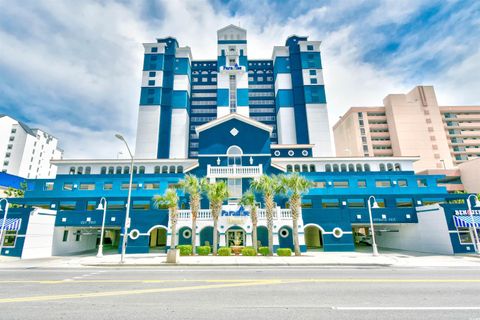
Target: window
88 170
103 170
91 205
67 205
309 48
356 203
464 235
312 168
48 186
319 184
141 205
362 183
421 183
77 235
383 183
115 205
125 185
429 201
402 183
380 202
313 81
404 202
152 74
87 186
312 72
330 203
340 184
118 170
156 170
151 186
9 238
306 203
68 186
65 236
108 186
154 49
151 82
111 170
141 170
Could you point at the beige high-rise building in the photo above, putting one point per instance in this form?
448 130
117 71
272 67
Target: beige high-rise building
411 124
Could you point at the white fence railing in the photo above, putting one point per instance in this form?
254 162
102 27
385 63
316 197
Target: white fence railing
204 214
234 171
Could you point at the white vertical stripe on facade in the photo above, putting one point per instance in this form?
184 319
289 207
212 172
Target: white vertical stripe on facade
158 78
147 132
319 130
222 111
286 129
181 82
223 80
283 81
179 134
243 110
242 79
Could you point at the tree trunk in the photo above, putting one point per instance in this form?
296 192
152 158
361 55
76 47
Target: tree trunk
294 202
173 220
254 227
269 206
194 234
215 240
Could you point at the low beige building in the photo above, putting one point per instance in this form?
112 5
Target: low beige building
411 124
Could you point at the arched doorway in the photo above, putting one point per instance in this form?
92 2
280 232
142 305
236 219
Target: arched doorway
262 236
313 238
285 237
158 240
185 236
206 236
235 236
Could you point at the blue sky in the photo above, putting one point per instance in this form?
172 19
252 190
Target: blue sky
73 68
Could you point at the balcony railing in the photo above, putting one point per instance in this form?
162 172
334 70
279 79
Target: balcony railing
234 171
204 214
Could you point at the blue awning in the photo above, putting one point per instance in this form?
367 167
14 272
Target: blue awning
466 221
12 224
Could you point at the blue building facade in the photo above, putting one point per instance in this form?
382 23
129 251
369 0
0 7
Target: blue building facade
235 119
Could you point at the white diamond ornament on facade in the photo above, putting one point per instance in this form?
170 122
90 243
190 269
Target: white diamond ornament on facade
234 132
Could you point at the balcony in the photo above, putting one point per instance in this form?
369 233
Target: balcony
234 171
205 215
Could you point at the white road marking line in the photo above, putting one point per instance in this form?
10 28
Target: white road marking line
403 308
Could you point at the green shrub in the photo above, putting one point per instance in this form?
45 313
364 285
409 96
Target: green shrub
203 250
263 251
248 251
284 252
225 251
185 250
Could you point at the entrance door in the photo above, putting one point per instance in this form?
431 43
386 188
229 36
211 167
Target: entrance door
235 238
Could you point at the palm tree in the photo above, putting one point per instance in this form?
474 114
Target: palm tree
248 200
268 186
169 200
194 187
217 193
294 186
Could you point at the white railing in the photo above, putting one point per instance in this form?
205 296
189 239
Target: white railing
234 171
204 214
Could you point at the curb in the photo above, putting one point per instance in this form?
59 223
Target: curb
167 265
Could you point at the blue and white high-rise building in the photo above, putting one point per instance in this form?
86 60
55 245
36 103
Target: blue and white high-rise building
179 94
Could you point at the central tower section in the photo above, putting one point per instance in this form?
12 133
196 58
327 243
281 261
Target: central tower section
232 82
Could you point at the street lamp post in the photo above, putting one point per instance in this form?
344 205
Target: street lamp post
474 229
4 221
127 215
374 206
102 205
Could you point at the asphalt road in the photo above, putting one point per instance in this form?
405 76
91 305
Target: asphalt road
240 293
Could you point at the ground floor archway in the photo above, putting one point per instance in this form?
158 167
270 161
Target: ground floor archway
206 236
262 236
184 236
158 240
313 238
235 236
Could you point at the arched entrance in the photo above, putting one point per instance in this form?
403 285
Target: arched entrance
285 237
262 236
185 236
158 239
206 236
313 238
235 236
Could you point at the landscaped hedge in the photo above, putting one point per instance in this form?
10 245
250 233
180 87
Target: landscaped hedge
185 250
203 250
225 251
248 251
284 252
263 251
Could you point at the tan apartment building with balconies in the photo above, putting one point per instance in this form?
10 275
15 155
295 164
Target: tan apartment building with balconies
411 124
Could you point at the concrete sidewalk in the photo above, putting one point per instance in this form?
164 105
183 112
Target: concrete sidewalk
320 259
